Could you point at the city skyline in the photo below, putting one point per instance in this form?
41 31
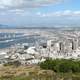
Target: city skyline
39 12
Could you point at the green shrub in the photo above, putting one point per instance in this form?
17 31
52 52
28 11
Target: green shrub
61 65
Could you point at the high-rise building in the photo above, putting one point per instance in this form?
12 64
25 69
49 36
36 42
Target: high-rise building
74 44
61 44
50 43
56 46
68 45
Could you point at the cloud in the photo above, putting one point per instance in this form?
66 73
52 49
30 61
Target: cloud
17 11
65 13
25 3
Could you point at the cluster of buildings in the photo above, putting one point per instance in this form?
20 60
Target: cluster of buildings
26 55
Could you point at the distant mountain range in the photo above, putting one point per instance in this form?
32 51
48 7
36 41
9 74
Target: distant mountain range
4 26
61 27
22 27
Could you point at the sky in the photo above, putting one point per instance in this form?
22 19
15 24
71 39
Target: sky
39 12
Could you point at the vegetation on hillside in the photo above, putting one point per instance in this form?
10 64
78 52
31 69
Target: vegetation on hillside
61 65
59 69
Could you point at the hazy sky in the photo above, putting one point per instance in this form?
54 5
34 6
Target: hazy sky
39 12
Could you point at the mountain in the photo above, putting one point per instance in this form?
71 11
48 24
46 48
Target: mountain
3 26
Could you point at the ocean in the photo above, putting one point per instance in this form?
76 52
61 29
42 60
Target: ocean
11 39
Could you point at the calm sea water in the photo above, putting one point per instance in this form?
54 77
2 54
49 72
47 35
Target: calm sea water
9 39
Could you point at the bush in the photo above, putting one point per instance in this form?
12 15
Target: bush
61 65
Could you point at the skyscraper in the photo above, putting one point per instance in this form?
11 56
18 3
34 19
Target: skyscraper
74 44
61 46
